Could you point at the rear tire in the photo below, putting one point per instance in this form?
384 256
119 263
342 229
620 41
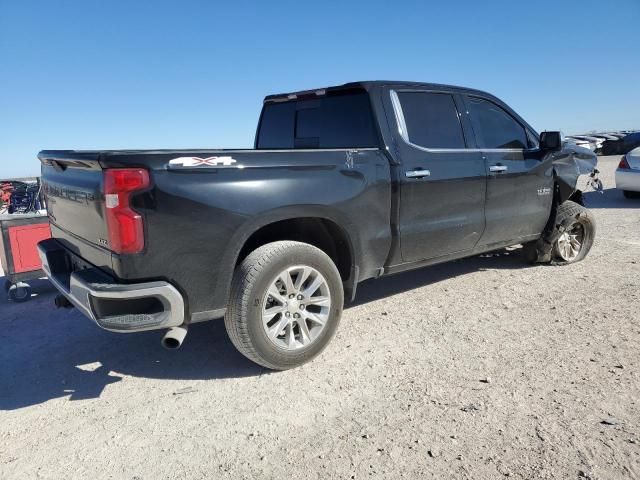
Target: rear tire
281 277
575 231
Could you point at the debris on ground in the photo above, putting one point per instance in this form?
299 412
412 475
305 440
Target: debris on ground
180 391
611 421
472 407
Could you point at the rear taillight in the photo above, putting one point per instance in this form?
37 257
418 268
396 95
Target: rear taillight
623 163
125 226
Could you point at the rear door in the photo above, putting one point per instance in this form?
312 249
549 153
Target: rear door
442 182
519 185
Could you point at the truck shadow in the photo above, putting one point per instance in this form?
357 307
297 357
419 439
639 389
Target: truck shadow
609 198
47 353
372 290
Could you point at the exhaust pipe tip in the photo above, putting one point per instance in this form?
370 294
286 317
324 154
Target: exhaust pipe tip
174 337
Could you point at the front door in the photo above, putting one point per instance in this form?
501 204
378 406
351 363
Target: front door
442 184
519 184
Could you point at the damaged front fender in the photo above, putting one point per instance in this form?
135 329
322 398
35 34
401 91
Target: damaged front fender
568 164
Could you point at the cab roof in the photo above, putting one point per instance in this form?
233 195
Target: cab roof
369 85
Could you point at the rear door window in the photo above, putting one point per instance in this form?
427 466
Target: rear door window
494 127
431 120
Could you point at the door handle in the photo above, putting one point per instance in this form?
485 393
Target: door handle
498 168
417 173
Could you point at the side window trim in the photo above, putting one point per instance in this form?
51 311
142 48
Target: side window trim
402 126
525 129
533 139
397 109
467 125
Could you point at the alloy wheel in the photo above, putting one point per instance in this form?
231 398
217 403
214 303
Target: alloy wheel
570 242
296 307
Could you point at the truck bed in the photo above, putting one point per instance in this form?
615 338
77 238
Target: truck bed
204 204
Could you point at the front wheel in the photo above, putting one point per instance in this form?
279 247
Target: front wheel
285 305
576 231
568 238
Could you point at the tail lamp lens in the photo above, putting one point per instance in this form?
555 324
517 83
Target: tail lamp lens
623 163
125 225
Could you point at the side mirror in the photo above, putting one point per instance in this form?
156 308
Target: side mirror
551 140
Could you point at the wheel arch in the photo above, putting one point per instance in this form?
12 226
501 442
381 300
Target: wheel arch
321 227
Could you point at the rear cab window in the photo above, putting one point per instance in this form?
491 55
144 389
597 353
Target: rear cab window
342 119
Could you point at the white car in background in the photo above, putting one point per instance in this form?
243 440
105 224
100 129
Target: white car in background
595 142
580 142
628 174
603 137
587 141
610 136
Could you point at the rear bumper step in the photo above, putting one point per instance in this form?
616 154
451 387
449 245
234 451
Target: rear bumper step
113 306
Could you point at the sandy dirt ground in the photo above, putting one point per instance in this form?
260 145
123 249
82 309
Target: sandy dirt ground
482 368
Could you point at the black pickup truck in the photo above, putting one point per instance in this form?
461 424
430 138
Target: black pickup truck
344 184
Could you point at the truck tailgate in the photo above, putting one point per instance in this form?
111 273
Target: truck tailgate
72 183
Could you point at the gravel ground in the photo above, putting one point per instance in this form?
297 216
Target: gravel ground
479 368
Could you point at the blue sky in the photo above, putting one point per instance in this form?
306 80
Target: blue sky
150 74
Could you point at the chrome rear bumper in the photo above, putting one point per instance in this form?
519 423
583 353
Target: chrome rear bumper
116 307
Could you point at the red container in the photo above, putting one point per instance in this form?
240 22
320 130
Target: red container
19 237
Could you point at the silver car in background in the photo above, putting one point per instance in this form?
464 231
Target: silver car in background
628 174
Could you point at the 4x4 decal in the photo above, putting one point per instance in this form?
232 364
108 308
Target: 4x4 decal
188 162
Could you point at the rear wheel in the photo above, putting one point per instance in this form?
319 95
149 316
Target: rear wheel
285 305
